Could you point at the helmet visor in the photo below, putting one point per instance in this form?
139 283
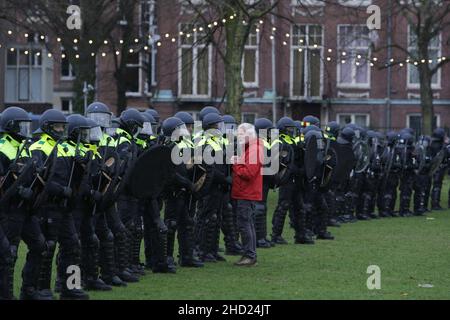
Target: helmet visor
102 119
230 128
59 130
180 131
25 129
147 129
95 134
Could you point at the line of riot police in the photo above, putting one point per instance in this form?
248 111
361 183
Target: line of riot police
98 188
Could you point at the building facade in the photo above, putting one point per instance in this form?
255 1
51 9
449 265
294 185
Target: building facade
309 58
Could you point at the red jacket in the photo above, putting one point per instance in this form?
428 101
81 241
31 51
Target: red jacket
247 177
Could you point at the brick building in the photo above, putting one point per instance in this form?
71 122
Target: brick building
323 65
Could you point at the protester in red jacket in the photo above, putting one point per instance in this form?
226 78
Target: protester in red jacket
247 189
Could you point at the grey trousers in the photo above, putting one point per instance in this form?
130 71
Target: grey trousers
245 213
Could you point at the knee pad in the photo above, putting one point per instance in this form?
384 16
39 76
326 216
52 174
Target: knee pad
171 224
260 209
50 246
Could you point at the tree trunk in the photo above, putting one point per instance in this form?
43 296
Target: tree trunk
426 94
236 35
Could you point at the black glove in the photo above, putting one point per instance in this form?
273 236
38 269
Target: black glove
67 192
96 195
25 193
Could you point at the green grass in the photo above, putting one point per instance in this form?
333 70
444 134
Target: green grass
409 251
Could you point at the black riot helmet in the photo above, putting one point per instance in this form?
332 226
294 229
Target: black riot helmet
149 123
208 110
100 113
407 138
54 123
78 128
174 128
230 124
187 118
17 122
263 124
213 121
311 121
332 129
392 137
131 121
287 126
154 113
438 134
346 136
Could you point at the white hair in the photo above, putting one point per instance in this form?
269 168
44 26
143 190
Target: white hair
249 129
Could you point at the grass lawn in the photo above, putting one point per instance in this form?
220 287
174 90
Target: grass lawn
410 252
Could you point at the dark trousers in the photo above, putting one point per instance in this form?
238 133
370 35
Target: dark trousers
245 212
58 226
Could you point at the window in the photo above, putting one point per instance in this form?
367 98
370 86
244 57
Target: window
67 105
434 53
194 63
414 121
25 75
149 25
359 119
67 72
355 3
132 76
308 3
250 61
354 64
249 117
306 61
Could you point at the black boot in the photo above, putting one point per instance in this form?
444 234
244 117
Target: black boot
31 293
107 264
121 256
45 271
278 220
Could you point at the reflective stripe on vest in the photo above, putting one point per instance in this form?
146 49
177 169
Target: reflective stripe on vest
47 143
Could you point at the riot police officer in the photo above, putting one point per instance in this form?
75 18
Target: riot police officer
178 203
287 129
438 145
210 211
16 222
266 132
407 174
55 160
100 114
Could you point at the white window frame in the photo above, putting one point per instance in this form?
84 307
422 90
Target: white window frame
418 114
355 3
248 113
254 84
43 67
307 47
70 111
196 48
152 31
353 115
349 52
140 80
71 75
411 85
